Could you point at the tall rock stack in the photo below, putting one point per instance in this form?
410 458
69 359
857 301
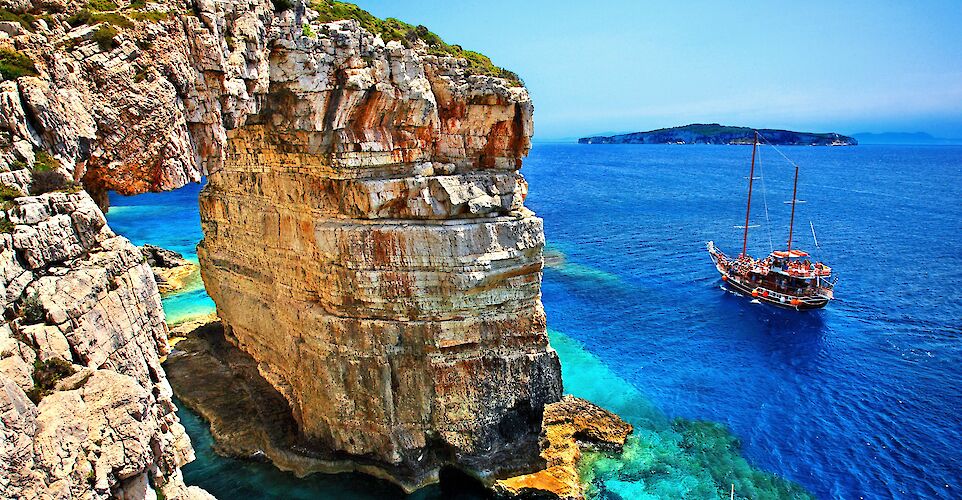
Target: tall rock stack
367 244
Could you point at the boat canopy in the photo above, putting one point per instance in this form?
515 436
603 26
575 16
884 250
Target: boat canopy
789 253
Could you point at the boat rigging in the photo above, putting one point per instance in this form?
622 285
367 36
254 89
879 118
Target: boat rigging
785 278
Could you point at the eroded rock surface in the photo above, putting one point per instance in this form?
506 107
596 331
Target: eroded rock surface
365 240
247 416
172 271
77 296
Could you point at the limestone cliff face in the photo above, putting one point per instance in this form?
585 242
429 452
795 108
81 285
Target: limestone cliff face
79 299
366 242
365 235
76 298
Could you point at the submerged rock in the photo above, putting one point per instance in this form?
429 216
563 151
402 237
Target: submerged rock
250 419
171 270
162 258
568 426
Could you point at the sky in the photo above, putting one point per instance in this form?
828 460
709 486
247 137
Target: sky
621 65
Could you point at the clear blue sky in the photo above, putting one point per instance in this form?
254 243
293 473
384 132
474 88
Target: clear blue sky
623 65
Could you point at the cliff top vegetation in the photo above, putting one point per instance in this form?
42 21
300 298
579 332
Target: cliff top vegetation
391 29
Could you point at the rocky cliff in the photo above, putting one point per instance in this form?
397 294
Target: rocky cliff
365 241
85 408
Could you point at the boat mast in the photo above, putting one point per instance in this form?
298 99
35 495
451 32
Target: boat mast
748 211
791 224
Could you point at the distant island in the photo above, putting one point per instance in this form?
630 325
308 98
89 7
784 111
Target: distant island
713 133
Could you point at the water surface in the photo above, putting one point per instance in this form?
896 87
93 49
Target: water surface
861 399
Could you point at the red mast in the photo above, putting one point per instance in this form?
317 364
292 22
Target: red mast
748 211
791 224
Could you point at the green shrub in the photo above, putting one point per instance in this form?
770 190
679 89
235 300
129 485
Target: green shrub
26 20
18 165
32 310
104 36
391 29
85 16
9 193
141 75
14 64
102 5
307 31
151 15
81 17
44 162
6 226
47 19
46 374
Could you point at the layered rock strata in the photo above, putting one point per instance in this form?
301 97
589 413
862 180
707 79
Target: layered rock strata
222 383
247 416
79 299
366 243
365 235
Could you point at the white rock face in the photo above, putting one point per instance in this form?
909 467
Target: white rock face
365 241
110 429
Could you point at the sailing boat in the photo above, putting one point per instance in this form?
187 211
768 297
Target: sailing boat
786 278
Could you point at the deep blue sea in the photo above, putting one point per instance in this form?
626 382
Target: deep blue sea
860 400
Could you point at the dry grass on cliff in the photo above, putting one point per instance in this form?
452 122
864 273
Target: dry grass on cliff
46 374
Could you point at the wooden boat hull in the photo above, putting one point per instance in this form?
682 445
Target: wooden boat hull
772 297
805 303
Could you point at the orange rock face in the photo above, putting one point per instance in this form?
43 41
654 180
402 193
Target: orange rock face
366 240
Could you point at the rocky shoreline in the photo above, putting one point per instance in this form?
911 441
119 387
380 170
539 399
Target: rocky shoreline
171 270
250 419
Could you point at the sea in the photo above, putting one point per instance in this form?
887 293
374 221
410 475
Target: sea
862 399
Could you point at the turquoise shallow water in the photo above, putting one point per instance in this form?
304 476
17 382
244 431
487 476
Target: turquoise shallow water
858 400
170 220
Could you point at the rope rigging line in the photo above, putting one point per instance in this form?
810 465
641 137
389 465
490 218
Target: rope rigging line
789 160
792 163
